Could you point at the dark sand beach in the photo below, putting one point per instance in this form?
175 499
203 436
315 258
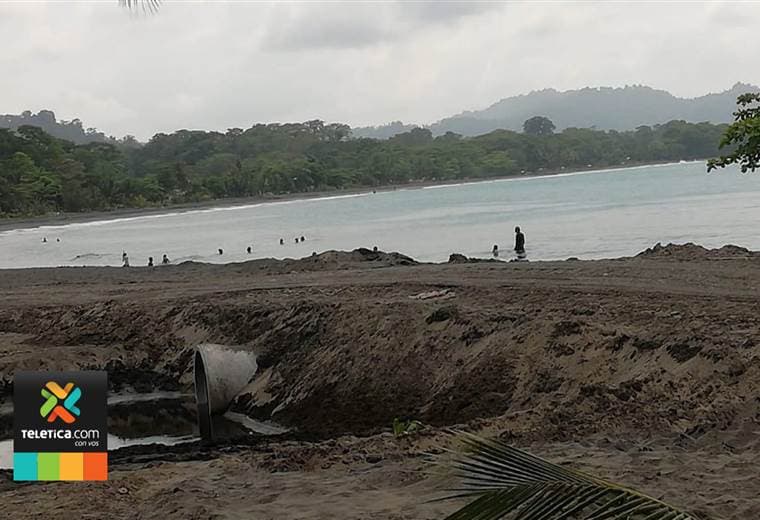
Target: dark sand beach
642 370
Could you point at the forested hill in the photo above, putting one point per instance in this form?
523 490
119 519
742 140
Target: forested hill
72 131
602 108
40 173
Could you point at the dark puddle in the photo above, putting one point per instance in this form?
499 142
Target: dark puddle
152 421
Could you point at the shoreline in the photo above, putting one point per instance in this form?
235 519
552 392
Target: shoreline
64 219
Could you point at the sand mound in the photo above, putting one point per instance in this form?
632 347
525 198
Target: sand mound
327 261
459 258
690 251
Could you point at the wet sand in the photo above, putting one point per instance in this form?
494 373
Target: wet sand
645 371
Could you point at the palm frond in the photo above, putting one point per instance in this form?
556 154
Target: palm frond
147 6
504 480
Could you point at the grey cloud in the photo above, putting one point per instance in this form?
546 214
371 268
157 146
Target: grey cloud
357 25
447 12
217 65
333 33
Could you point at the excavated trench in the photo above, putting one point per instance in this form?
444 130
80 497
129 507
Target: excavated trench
350 361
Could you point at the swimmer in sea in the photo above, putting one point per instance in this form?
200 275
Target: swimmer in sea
221 251
249 249
150 261
165 259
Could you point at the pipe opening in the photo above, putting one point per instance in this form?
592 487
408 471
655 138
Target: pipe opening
201 397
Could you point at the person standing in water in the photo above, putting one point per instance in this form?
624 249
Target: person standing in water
519 244
495 250
124 259
165 259
150 261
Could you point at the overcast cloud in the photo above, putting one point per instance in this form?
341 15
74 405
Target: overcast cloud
217 65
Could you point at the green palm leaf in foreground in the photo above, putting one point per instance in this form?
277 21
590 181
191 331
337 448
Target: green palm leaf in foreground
505 480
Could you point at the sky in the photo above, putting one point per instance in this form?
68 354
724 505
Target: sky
222 64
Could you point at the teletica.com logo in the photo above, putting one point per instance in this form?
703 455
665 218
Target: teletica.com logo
60 403
60 425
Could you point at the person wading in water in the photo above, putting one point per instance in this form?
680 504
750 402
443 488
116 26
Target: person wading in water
519 244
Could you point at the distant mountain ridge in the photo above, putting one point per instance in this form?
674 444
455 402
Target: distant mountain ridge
69 130
604 108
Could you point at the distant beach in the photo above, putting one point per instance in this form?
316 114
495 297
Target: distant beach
92 216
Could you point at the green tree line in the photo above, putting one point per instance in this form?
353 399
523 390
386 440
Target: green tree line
41 174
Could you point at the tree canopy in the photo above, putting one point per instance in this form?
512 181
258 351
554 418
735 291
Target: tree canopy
41 174
539 125
743 135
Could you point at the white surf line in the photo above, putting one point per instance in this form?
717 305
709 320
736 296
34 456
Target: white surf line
555 175
118 220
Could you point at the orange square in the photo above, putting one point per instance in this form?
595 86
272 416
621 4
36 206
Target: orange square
96 466
71 466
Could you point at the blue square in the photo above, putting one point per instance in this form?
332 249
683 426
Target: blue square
24 466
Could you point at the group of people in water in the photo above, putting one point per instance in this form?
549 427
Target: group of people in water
302 239
519 249
125 260
165 260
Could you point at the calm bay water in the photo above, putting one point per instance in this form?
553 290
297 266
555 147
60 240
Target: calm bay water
589 215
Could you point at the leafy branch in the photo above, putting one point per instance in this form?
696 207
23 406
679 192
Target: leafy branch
147 6
744 133
504 480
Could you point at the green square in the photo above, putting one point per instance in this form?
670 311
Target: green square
47 466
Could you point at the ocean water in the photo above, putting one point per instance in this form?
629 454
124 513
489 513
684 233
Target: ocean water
589 215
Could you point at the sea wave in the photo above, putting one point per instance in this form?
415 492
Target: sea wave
89 256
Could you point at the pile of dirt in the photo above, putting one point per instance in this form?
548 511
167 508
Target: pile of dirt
459 258
565 373
690 251
361 258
